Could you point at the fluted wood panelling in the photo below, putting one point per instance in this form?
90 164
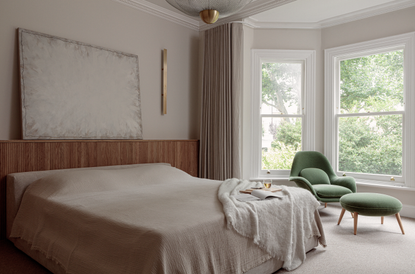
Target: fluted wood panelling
23 155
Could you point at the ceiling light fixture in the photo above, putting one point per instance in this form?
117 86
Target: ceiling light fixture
209 10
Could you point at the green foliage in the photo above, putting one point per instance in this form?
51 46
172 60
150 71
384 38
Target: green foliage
371 144
281 86
372 83
287 141
279 157
288 133
279 82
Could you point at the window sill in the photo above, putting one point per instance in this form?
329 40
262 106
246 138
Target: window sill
274 178
374 184
387 186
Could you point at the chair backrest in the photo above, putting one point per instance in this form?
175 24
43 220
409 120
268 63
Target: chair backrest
311 159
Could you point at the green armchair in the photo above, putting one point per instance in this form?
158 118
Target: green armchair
311 170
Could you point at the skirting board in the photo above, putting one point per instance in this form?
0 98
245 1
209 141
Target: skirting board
408 211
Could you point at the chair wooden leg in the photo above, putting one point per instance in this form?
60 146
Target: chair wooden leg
325 205
398 217
355 222
381 219
341 216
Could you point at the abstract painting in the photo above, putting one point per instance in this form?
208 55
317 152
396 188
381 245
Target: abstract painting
73 90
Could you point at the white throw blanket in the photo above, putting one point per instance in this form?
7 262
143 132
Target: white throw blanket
281 227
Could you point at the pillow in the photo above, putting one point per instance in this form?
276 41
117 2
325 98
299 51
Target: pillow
315 176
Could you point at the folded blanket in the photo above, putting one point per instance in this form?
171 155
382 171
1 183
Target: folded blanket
281 227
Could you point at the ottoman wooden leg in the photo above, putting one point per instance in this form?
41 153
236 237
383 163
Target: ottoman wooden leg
381 220
398 217
341 216
355 222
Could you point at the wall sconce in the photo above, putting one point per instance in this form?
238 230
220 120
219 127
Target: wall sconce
164 92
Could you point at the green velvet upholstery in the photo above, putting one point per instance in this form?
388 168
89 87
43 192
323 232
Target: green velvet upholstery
315 176
311 170
331 191
371 204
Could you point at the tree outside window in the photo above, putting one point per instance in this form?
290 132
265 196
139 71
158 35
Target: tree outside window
283 87
370 120
281 114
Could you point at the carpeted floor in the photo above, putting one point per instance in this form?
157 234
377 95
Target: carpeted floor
375 249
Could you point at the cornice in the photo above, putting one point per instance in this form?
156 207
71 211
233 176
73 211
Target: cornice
366 13
175 17
346 18
252 8
259 6
255 7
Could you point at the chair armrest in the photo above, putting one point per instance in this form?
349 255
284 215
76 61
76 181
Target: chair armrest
303 183
348 182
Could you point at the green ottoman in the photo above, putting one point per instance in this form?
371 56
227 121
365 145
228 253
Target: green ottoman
370 204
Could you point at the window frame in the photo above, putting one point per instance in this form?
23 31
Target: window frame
333 57
308 59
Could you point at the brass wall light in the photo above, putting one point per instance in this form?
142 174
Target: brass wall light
209 10
164 92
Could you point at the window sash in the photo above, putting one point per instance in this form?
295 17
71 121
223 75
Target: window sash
368 177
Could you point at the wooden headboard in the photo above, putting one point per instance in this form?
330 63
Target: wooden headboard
23 155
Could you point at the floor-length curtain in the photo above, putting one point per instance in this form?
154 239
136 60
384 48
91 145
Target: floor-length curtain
220 133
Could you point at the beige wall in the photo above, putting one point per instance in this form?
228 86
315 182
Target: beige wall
393 23
112 25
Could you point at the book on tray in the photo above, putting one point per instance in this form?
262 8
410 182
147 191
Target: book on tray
257 194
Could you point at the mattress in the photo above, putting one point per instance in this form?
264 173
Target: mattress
128 219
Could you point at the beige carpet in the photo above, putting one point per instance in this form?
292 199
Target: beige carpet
376 248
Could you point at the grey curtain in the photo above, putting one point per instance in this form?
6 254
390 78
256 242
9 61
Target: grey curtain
220 134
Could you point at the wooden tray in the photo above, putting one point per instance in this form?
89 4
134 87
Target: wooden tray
272 189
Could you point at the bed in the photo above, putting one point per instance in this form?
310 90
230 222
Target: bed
177 223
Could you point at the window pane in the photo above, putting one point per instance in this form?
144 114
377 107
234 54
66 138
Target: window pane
281 139
372 83
281 88
371 144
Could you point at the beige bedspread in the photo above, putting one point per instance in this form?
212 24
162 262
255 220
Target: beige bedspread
152 219
147 219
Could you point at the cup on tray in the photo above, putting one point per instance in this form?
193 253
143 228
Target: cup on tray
267 183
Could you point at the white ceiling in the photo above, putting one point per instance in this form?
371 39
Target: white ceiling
282 13
313 11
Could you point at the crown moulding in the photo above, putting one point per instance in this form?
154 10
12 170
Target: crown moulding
258 6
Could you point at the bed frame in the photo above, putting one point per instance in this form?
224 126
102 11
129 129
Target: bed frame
23 155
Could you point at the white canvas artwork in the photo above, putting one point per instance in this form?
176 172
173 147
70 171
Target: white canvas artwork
72 90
